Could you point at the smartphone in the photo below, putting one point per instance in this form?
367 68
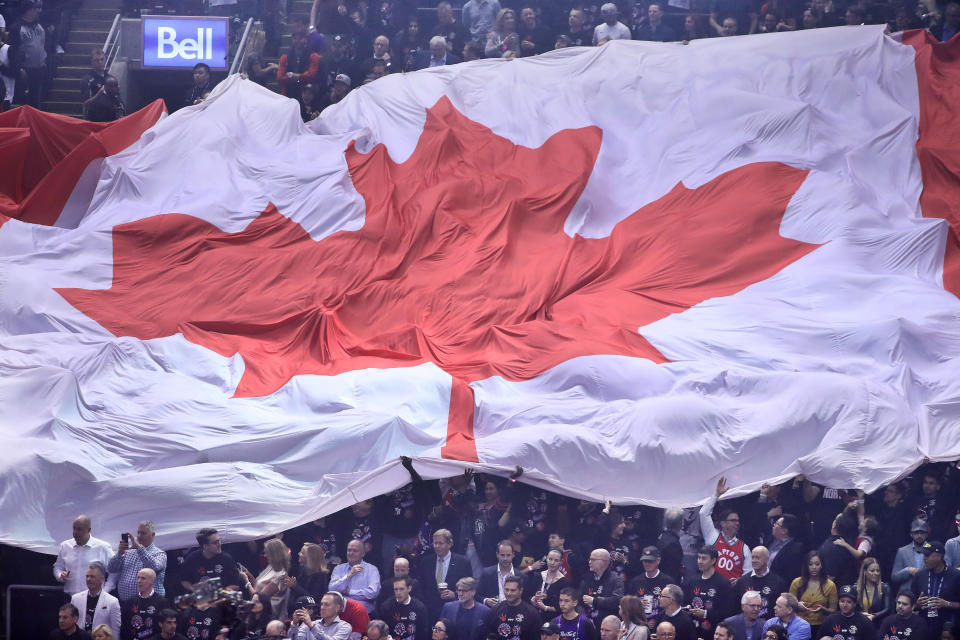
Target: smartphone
125 537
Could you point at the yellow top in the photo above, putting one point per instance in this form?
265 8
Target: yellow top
826 598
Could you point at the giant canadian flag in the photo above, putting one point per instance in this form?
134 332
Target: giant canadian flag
628 269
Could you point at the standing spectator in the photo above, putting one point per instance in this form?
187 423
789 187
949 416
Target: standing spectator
786 551
762 580
670 600
671 551
98 606
478 17
313 576
77 553
254 65
534 38
546 585
202 85
490 587
656 31
601 588
401 568
298 67
270 584
733 551
513 619
93 80
441 569
308 105
848 623
904 624
168 626
837 561
467 615
610 628
503 37
28 51
209 561
573 625
634 619
577 35
748 625
815 591
708 596
874 595
401 529
894 519
381 53
952 547
932 504
456 36
694 28
610 28
618 544
785 614
67 625
328 627
951 23
405 615
649 585
909 559
133 554
939 589
356 578
8 75
107 105
140 615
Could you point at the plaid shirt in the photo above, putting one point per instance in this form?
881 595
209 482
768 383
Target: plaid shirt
129 564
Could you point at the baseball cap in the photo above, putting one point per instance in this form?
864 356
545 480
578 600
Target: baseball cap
848 591
342 77
919 525
306 601
931 547
550 629
650 553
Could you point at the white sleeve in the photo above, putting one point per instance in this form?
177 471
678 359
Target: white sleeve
59 566
710 533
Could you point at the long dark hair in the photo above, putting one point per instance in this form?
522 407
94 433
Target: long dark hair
805 573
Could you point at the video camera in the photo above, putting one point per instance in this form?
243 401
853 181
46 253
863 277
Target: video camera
209 590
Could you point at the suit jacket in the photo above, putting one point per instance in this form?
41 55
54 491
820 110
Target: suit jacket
488 586
108 610
459 567
789 561
422 59
740 627
902 563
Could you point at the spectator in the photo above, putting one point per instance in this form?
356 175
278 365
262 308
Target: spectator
98 606
407 615
724 631
28 51
951 23
298 67
874 594
503 38
339 91
513 619
904 624
909 559
168 627
355 578
478 17
466 613
610 628
103 632
855 16
202 85
107 105
355 615
8 75
534 38
762 580
573 625
140 615
328 627
456 34
276 630
471 51
710 596
634 619
576 35
270 583
786 551
952 546
437 55
381 53
313 576
67 625
656 31
378 630
308 111
729 27
747 625
785 614
665 631
601 588
209 561
816 592
401 567
93 80
931 505
848 623
776 632
546 585
939 587
407 46
838 564
610 28
671 597
490 587
649 585
694 28
733 551
549 631
253 63
441 568
442 630
671 551
894 519
77 553
128 561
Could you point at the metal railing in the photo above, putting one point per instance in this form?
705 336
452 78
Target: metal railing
240 56
111 46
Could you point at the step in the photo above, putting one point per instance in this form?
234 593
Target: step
101 4
66 84
92 24
64 106
76 59
63 95
97 14
93 38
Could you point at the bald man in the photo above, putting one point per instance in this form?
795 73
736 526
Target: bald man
762 580
276 629
602 588
140 616
77 554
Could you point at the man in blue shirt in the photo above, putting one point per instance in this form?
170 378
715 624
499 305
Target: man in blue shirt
785 613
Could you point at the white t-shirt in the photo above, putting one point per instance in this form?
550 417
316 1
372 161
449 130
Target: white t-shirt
8 82
618 31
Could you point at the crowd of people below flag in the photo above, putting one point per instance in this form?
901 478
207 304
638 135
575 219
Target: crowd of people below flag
479 558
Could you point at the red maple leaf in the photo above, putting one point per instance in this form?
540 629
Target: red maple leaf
462 261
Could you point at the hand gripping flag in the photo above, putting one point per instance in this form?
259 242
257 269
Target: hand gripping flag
628 269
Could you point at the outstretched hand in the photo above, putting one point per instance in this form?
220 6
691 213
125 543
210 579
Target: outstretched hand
721 487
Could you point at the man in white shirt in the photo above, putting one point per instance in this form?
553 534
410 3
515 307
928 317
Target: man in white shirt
76 555
95 605
611 28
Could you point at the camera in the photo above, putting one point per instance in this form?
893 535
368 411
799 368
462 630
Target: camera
210 590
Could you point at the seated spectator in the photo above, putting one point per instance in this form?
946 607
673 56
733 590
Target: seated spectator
140 615
849 623
378 630
610 28
93 79
355 615
97 606
377 70
671 599
610 628
209 561
328 627
747 625
313 576
298 67
855 16
503 37
168 627
471 51
729 26
576 35
478 17
355 578
467 614
203 84
810 20
442 630
339 91
816 592
254 66
785 615
407 45
77 553
308 111
905 624
128 561
456 34
407 615
276 629
437 55
655 30
67 620
546 585
665 631
270 584
875 595
103 632
534 38
381 53
776 632
724 631
513 618
107 105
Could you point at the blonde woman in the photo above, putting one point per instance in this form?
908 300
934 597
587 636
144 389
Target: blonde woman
873 594
253 64
102 632
504 36
270 584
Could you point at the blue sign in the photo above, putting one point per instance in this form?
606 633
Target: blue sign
183 42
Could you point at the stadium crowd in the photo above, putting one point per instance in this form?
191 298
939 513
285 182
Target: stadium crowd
482 558
345 43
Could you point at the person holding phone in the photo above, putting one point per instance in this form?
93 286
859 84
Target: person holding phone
133 554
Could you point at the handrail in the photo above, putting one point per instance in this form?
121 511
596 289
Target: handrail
241 53
112 44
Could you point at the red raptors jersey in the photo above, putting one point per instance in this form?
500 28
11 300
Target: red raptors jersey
730 562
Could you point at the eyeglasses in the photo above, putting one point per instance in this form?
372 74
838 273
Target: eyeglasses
754 606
